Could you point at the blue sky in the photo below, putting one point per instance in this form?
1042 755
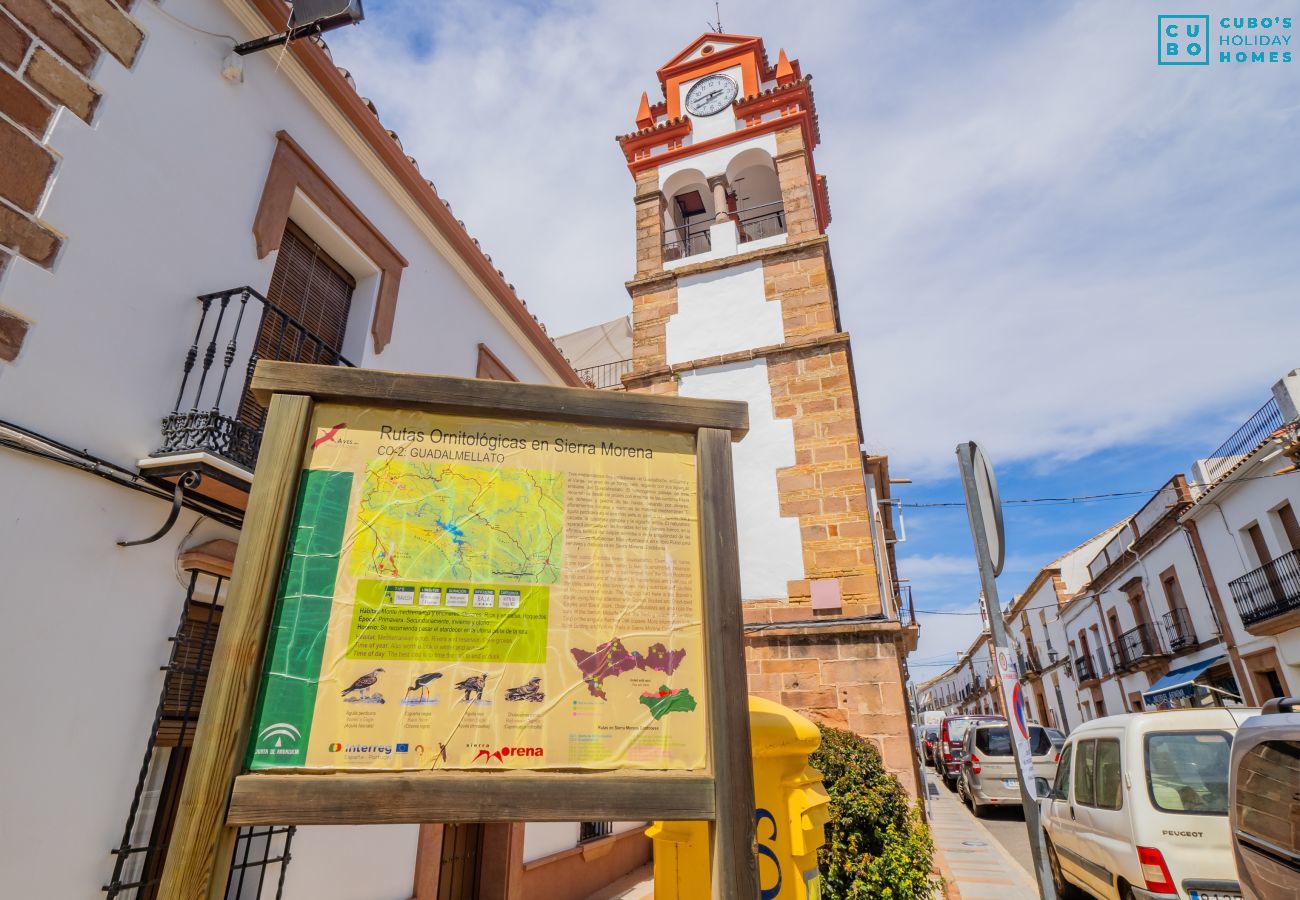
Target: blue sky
1042 240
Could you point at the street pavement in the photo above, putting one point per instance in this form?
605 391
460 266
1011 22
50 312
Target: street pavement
989 859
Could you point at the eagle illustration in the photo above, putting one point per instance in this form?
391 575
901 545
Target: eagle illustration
532 691
423 681
473 686
363 684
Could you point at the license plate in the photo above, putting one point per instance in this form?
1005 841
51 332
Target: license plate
1011 782
1213 895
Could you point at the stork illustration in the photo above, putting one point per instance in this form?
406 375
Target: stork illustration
474 686
532 691
423 681
363 684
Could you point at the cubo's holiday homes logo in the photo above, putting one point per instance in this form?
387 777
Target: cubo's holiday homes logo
1188 41
1183 40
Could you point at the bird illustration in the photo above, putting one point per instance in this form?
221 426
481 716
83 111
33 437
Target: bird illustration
532 691
423 681
364 684
473 686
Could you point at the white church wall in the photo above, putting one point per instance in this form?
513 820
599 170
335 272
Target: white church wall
328 858
723 311
770 550
714 162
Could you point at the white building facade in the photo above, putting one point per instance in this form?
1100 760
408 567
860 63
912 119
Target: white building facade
1193 600
145 167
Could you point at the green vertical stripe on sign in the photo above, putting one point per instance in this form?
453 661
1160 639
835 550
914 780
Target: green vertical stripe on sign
282 722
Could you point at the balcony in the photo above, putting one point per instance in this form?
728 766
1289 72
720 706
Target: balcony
1029 665
1266 420
215 425
1271 591
606 376
1179 634
1135 646
763 221
1084 670
686 240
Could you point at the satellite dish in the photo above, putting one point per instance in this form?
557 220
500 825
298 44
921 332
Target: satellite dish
306 19
308 12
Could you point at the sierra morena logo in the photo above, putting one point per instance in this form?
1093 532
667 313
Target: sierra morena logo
504 753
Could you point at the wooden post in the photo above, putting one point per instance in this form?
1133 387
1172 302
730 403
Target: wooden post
200 845
735 867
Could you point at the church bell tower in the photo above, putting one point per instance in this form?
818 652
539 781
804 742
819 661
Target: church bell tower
734 298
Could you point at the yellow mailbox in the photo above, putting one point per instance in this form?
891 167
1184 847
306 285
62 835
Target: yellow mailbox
791 808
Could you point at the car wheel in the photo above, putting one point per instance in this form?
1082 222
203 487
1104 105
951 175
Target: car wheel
977 809
1063 888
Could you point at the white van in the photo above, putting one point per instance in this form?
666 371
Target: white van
1139 807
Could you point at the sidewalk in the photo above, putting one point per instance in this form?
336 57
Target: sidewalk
969 854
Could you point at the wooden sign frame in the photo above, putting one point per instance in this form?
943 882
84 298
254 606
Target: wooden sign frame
218 798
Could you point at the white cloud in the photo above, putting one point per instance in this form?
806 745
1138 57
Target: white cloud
1043 240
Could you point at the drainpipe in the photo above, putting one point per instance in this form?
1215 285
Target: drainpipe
1211 589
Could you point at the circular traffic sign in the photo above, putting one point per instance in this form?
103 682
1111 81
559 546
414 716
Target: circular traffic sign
990 501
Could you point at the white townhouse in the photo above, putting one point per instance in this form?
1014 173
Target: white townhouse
1247 516
169 214
1036 630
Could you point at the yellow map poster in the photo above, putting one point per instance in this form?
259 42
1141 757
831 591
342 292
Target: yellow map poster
464 593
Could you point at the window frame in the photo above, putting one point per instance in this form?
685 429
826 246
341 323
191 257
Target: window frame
1119 781
1091 769
1146 766
1064 771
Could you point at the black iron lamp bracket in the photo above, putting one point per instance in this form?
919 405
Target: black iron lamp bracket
188 480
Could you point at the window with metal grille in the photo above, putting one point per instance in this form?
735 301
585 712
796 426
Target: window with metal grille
310 297
138 859
589 831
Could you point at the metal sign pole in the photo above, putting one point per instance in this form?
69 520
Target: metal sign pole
984 509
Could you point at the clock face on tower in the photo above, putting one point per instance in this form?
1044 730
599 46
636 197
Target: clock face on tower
711 94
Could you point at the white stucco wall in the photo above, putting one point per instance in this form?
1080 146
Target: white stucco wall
715 162
723 311
158 200
1221 519
770 550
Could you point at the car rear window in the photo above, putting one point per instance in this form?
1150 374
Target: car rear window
957 729
1187 771
996 741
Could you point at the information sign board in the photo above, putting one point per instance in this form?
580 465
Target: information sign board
471 592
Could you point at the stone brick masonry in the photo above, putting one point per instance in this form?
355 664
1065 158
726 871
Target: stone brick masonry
48 52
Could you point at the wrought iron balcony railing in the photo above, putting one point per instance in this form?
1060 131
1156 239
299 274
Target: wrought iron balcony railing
1269 591
215 412
686 240
1179 634
606 376
1084 670
906 607
762 221
1133 646
1266 420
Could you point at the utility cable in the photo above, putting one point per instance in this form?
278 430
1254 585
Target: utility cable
1083 498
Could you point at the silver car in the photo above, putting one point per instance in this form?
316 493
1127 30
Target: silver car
1265 804
988 767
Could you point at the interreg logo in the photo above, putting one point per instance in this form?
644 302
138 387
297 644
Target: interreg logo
1186 40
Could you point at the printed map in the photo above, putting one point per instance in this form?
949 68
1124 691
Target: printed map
612 659
447 521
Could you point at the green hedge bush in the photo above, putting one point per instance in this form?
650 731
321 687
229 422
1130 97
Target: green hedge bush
876 845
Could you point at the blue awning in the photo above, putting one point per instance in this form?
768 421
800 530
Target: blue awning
1179 683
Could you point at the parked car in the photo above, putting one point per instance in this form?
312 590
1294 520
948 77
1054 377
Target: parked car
951 733
1057 736
1139 806
988 767
930 745
1265 804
